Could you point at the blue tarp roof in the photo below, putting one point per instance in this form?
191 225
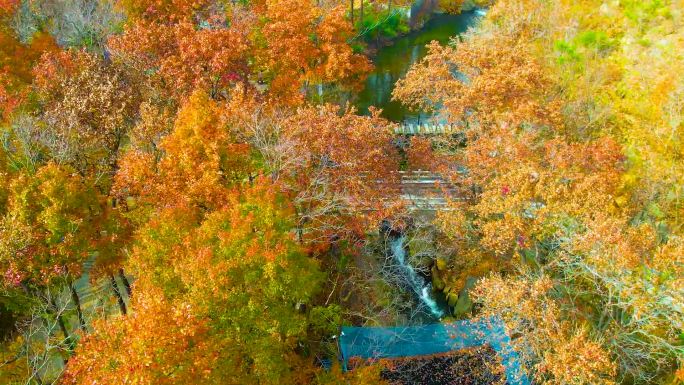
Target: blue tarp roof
397 342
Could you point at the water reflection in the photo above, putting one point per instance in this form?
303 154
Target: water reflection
392 63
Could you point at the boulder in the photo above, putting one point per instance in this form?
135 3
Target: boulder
452 299
437 282
464 305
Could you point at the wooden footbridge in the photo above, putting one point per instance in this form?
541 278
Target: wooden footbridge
427 129
423 190
427 191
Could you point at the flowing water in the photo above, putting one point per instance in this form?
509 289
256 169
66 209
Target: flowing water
417 284
392 63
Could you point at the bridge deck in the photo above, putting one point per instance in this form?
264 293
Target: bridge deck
424 190
427 129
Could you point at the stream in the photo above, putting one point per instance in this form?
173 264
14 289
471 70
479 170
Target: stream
416 282
391 64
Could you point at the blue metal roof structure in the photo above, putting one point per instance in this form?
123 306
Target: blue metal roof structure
397 342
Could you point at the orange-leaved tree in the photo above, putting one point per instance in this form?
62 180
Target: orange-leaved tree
202 162
161 342
241 269
337 167
47 230
306 48
548 200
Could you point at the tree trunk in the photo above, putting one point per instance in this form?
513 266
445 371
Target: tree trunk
127 285
36 376
299 229
76 300
361 14
352 12
115 286
61 323
335 247
77 303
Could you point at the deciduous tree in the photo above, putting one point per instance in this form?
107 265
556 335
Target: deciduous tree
242 269
88 108
47 230
202 162
159 343
338 170
308 46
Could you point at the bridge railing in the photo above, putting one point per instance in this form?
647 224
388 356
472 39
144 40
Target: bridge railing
426 129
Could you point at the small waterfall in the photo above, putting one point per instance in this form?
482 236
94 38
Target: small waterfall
422 289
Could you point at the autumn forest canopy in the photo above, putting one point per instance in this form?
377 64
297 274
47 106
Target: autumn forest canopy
188 194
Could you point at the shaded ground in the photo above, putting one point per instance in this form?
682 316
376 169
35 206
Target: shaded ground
474 366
